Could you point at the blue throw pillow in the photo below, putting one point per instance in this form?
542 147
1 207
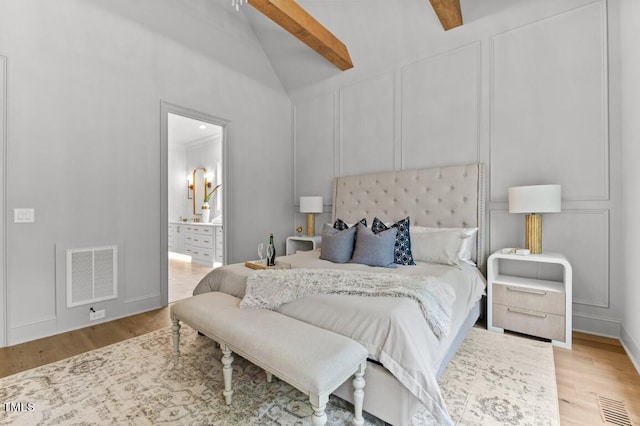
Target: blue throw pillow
337 246
402 249
374 249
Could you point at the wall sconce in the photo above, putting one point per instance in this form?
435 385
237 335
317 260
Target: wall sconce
311 206
208 178
189 186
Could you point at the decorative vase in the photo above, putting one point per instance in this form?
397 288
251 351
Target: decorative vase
206 212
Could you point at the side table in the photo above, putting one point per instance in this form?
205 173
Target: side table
527 305
297 243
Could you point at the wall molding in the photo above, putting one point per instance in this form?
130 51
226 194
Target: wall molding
366 113
33 329
143 298
469 58
605 138
606 280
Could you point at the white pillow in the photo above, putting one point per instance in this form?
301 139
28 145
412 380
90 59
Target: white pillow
438 247
466 250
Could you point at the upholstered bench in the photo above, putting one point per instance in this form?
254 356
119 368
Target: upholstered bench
313 360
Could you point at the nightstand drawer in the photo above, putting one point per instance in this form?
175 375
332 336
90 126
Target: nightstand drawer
532 299
548 326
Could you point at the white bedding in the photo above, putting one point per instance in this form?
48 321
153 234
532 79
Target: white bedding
392 329
270 289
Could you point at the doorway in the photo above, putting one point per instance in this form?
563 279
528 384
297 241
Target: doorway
193 230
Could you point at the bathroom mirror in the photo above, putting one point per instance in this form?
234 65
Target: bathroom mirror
199 189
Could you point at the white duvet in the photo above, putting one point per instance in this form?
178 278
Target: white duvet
393 329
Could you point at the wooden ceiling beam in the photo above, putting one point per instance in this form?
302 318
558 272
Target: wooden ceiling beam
449 12
293 18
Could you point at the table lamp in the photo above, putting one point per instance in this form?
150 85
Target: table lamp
311 206
533 200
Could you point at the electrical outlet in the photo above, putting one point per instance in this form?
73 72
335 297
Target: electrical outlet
96 315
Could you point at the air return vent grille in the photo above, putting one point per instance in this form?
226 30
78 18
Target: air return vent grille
92 275
613 412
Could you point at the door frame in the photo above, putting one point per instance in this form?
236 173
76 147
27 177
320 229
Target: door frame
4 291
165 109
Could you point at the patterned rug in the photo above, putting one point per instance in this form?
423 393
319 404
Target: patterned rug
493 379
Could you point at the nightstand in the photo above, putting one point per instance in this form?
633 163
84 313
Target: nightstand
302 243
531 306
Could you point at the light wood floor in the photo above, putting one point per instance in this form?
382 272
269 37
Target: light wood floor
595 365
184 275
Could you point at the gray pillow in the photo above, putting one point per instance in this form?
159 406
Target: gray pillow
438 247
374 249
337 246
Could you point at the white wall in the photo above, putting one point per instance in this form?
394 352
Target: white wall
523 88
630 69
85 83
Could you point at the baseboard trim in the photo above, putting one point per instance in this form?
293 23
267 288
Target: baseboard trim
599 326
154 298
48 326
31 330
631 346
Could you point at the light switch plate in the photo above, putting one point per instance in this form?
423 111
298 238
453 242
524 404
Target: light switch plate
24 216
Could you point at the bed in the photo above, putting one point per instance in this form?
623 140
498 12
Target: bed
406 357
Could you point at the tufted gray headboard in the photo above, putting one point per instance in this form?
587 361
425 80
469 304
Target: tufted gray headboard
449 196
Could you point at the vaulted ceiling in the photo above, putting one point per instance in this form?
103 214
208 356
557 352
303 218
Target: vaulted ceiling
293 18
374 31
379 34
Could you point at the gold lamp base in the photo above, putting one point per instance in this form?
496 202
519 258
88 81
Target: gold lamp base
311 224
533 235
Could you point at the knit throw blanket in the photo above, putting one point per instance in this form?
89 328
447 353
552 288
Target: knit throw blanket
268 289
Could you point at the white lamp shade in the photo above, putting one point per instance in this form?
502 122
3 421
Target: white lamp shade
310 204
535 199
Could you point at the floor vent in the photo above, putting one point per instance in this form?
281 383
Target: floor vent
613 412
92 275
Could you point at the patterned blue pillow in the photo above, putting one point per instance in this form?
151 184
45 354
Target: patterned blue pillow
402 250
341 225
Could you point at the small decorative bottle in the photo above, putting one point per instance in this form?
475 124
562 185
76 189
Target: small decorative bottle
271 252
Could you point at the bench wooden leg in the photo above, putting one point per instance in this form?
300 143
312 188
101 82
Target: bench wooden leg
358 395
227 370
175 328
269 377
319 417
318 404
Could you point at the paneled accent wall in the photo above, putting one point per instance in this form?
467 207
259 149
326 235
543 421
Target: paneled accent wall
531 102
441 109
366 115
315 147
549 105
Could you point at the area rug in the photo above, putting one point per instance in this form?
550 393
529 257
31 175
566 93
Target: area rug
493 379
